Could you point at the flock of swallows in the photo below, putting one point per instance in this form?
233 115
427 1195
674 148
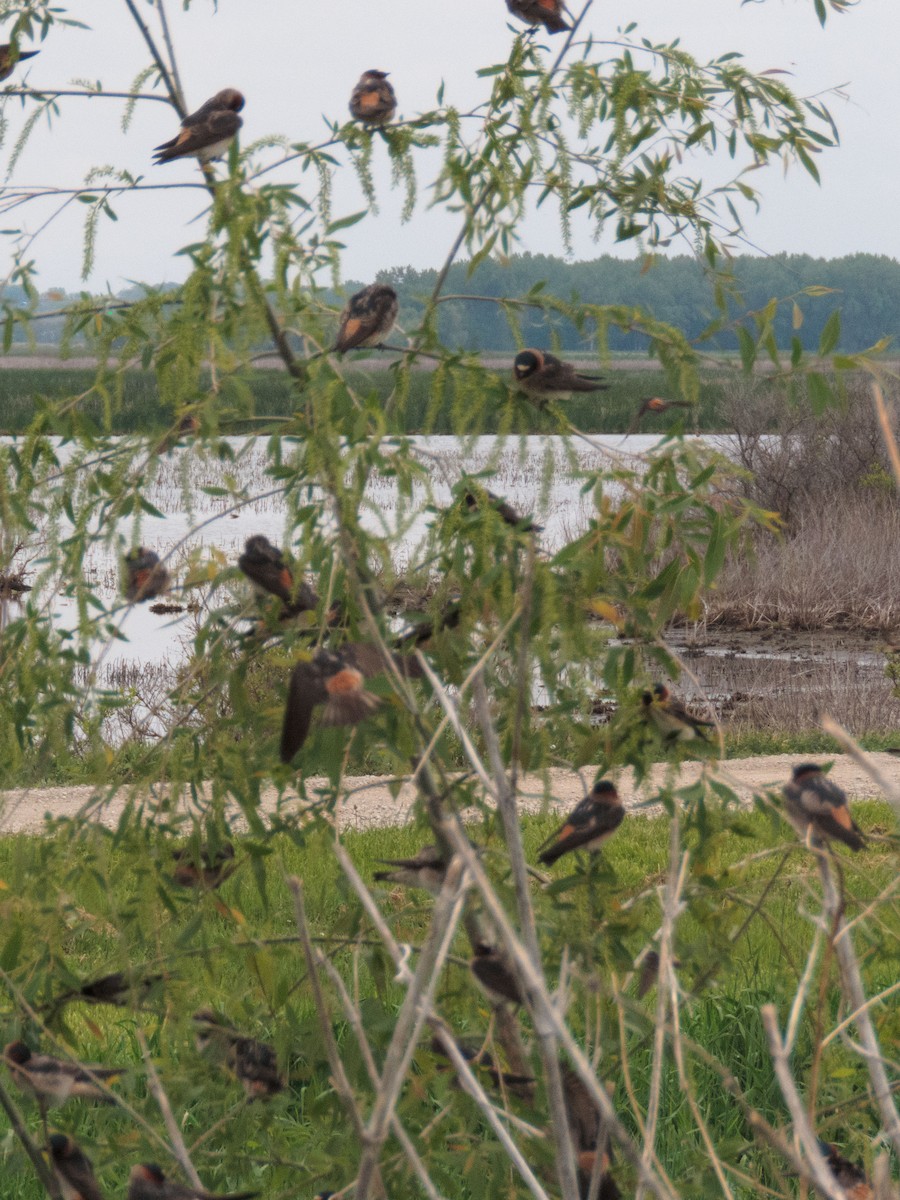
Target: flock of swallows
335 680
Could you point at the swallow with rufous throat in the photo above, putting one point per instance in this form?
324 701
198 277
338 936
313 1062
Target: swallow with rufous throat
74 1170
494 975
335 679
656 404
427 870
474 500
145 576
373 100
671 718
147 1182
543 377
208 870
53 1080
264 566
9 59
587 1136
207 133
817 806
253 1063
587 827
540 12
849 1176
368 318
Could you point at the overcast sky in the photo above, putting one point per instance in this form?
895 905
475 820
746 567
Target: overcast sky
296 59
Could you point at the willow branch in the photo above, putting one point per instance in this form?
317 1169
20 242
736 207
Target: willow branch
179 1149
45 1174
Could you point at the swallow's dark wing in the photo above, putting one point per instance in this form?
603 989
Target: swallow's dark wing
218 127
256 1066
305 691
368 659
823 803
496 978
586 825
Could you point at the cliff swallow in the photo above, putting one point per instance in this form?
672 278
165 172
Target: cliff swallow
671 718
608 1188
254 1063
373 100
495 976
850 1177
265 567
655 404
188 426
147 1182
427 870
335 679
368 318
118 989
145 576
545 377
74 1170
12 587
506 512
816 805
587 1135
473 1051
540 12
207 133
8 60
209 871
54 1080
423 631
595 819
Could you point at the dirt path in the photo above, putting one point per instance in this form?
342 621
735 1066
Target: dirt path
367 801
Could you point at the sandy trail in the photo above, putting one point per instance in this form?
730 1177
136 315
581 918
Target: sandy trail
367 801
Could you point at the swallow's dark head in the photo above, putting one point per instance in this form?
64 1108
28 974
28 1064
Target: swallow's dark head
140 557
373 75
17 1052
60 1145
483 949
527 363
323 1195
259 548
660 691
148 1173
803 769
206 1016
604 790
230 98
329 662
382 293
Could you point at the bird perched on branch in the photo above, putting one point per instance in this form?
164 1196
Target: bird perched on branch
254 1063
74 1170
210 871
118 989
264 566
587 827
543 377
335 679
207 133
373 100
476 499
587 1135
851 1178
53 1080
147 1182
495 976
368 318
145 576
540 12
427 870
474 1052
818 808
671 718
656 404
10 57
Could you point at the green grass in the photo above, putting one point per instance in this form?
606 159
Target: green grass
134 404
80 904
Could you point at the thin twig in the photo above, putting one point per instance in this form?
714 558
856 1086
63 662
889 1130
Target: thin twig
863 760
179 1149
45 1174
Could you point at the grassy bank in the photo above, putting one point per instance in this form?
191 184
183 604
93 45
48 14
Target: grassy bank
234 951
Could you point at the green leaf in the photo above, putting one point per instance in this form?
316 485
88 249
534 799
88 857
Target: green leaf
831 334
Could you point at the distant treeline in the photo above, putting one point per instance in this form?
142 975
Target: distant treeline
674 290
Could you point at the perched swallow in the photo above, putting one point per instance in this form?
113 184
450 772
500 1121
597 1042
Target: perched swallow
423 631
595 819
608 1188
336 680
207 133
671 718
368 318
505 511
373 100
494 975
119 989
473 1051
817 805
12 587
74 1170
211 870
145 576
187 427
544 377
254 1063
147 1182
540 12
8 60
264 566
427 870
588 1139
655 404
848 1175
52 1079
